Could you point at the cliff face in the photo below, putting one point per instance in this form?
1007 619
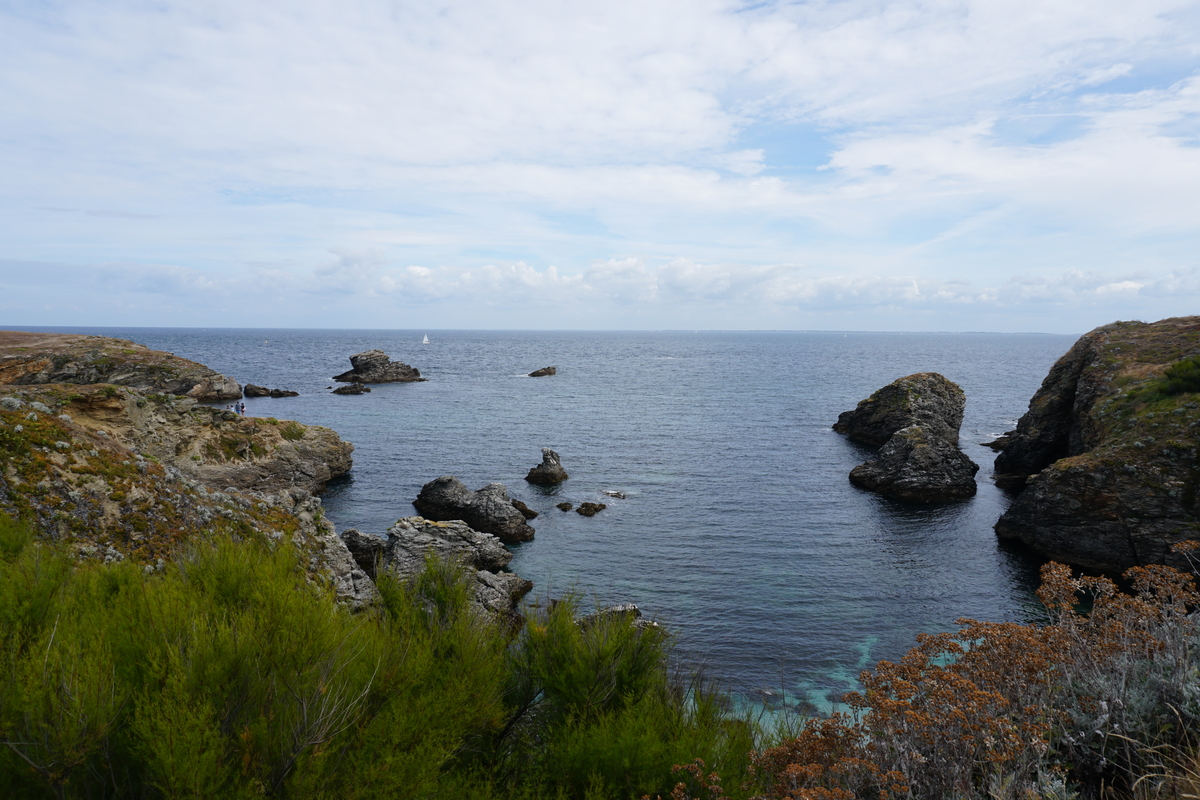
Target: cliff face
36 358
121 474
1107 457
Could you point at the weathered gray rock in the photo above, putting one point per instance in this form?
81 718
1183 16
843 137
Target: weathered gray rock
488 510
354 388
548 473
375 366
544 372
1107 460
925 399
284 393
365 549
916 465
254 390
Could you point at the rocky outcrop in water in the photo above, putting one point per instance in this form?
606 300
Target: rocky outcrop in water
548 473
916 465
354 388
1106 454
118 474
28 359
916 419
544 372
375 366
253 390
488 510
926 399
589 509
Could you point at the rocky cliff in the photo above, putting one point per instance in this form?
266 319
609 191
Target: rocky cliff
35 358
1107 452
121 474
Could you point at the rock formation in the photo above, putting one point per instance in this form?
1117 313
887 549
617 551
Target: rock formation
375 366
917 465
926 399
488 510
28 359
354 388
543 372
412 539
548 473
1106 454
590 509
526 511
916 419
118 474
252 390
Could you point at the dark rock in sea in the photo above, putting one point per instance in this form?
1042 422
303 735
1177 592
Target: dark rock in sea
925 399
525 510
284 393
590 509
1000 442
564 506
548 473
916 465
354 388
375 366
488 510
616 494
543 372
1107 454
253 390
413 539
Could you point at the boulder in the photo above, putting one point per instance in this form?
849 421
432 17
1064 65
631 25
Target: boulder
543 372
548 473
564 506
253 390
217 387
488 510
1106 456
284 393
926 399
525 510
916 465
590 509
354 388
375 366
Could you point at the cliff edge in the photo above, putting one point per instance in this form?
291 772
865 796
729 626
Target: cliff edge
1106 456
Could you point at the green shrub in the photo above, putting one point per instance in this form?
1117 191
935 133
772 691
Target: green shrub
1183 376
292 431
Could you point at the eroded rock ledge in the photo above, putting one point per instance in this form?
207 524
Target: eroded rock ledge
28 358
1107 459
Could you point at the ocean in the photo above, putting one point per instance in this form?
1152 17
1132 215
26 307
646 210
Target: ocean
738 529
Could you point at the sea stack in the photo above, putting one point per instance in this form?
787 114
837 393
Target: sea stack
376 366
548 473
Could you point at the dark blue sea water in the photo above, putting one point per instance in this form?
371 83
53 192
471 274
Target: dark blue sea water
739 530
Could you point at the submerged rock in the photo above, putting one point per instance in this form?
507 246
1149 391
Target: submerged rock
915 465
488 510
548 473
1107 454
375 366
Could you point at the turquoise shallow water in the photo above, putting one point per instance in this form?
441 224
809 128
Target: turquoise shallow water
739 528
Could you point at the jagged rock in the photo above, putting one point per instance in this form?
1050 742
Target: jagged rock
926 399
284 393
1107 459
525 510
564 506
354 388
365 549
543 372
28 359
590 509
915 465
375 366
253 390
1000 442
549 472
488 509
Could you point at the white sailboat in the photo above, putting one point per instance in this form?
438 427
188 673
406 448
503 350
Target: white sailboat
426 339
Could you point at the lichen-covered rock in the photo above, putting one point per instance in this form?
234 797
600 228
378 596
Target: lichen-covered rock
28 359
375 366
916 465
488 510
112 474
548 473
926 398
1108 459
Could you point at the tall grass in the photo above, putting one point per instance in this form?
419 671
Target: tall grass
230 675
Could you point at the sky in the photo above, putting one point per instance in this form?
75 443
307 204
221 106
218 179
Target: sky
984 165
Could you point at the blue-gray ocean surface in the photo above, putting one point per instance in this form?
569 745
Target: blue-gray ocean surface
739 529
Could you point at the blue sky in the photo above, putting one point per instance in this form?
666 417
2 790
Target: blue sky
1005 165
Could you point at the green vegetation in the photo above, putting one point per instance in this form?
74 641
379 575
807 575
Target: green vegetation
1183 376
292 431
227 674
